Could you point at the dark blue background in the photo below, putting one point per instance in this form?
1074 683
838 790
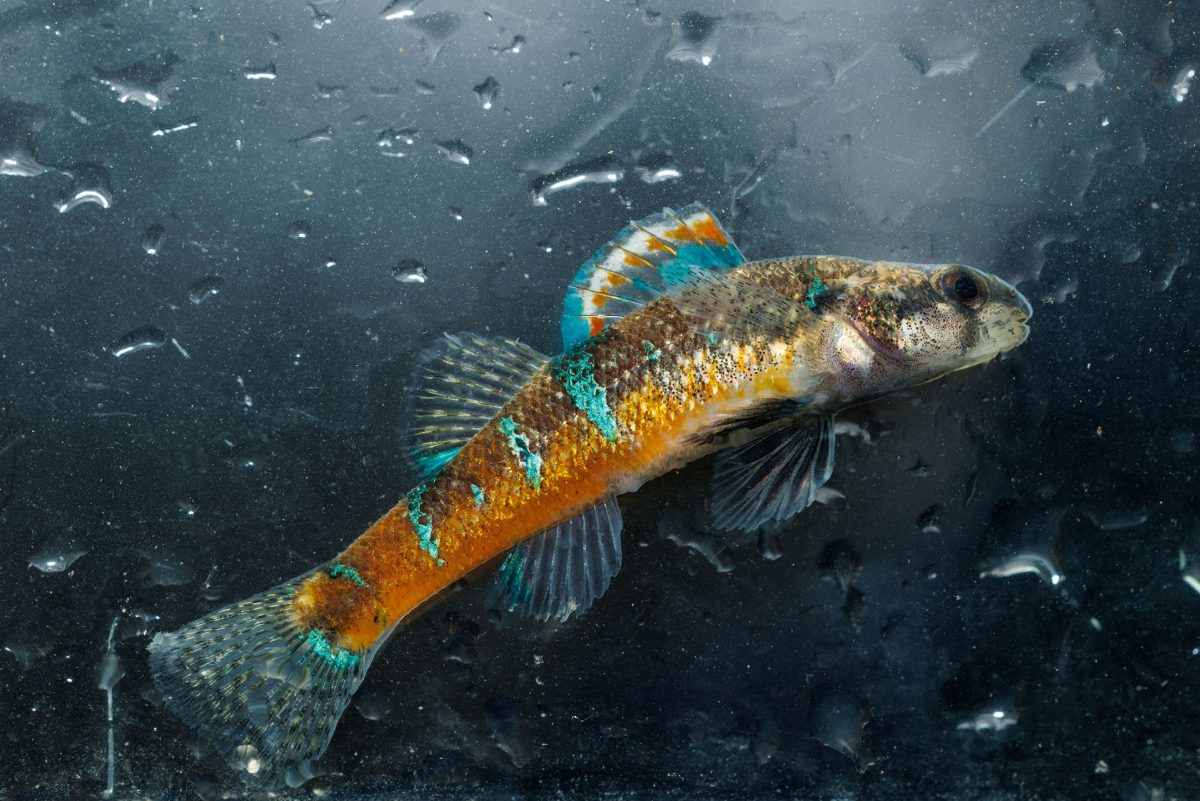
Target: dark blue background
854 128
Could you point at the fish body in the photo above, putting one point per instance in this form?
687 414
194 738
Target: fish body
675 348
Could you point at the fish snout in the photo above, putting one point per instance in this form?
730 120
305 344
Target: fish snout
1010 295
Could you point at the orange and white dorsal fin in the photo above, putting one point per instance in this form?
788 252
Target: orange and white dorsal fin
644 261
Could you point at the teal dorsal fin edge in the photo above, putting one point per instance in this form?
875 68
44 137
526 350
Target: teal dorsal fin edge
644 261
461 381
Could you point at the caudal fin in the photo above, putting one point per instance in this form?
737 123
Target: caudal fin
265 693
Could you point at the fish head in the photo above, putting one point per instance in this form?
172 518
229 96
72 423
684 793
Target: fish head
896 325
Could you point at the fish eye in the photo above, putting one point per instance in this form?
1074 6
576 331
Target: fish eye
964 288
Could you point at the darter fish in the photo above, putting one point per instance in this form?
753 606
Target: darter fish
674 347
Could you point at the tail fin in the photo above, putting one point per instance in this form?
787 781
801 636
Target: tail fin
266 694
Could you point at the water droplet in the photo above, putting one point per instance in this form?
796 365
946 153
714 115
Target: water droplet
147 82
314 137
456 150
769 546
410 271
56 555
678 530
989 719
299 230
110 671
503 718
1067 62
90 186
147 337
1182 84
655 168
951 56
765 742
693 38
487 92
839 561
168 571
392 142
164 128
1041 562
436 29
373 703
399 9
837 720
517 43
1116 519
1183 440
329 91
320 18
266 73
456 213
152 239
19 124
597 94
603 170
829 496
424 87
1176 257
204 288
26 653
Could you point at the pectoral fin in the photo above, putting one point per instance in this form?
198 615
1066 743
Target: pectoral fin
774 476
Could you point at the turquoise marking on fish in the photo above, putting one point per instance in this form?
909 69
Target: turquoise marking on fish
337 658
477 493
430 464
512 576
574 370
689 258
340 571
519 444
815 290
653 354
422 523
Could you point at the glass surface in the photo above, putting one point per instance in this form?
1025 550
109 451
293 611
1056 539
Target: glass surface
227 230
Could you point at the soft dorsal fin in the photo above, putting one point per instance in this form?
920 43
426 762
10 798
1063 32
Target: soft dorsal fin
774 476
461 381
565 569
638 265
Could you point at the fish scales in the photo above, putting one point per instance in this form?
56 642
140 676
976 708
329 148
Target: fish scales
656 403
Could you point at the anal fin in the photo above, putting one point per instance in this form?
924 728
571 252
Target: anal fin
563 570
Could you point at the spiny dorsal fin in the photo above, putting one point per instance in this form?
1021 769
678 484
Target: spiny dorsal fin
638 266
774 476
565 569
461 381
